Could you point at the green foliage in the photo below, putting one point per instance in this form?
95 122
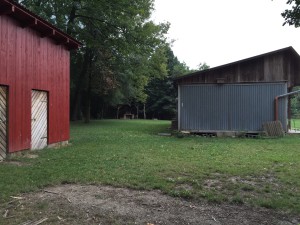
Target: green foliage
295 104
123 153
162 93
203 66
121 52
292 15
295 124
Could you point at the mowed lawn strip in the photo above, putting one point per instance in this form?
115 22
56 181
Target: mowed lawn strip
129 153
295 123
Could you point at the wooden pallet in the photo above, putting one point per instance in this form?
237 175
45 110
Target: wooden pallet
273 129
174 124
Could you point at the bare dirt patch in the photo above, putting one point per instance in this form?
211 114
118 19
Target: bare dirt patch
76 204
14 163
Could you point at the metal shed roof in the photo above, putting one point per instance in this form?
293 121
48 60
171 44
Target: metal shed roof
28 19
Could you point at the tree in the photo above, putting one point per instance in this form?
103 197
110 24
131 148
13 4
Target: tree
292 16
162 93
203 66
295 104
120 44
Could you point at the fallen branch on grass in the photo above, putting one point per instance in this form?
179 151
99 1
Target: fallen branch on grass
36 222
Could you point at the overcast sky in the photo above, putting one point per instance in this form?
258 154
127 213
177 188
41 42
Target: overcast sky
219 31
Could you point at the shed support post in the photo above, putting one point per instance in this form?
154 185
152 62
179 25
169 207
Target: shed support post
282 96
276 109
178 108
290 109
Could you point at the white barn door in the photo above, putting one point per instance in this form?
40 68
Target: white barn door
39 116
3 123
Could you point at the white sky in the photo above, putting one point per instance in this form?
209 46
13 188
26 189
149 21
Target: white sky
223 31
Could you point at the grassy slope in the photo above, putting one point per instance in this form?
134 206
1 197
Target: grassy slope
262 172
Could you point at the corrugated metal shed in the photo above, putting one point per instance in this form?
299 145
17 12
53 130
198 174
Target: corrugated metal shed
229 107
238 96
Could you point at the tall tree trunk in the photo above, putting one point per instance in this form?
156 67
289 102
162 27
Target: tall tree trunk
289 125
144 111
75 110
87 108
118 110
137 111
71 19
102 112
87 100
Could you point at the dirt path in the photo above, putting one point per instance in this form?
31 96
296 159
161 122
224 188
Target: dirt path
75 204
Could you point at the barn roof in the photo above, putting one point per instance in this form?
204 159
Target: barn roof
290 50
28 19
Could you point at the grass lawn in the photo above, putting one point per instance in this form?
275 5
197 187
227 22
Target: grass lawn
261 172
295 123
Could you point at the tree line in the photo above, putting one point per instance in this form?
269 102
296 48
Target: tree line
125 63
292 17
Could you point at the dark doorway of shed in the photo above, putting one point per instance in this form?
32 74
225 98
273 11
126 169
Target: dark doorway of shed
39 119
3 123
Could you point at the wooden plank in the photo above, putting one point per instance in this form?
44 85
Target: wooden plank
39 127
3 126
273 129
6 10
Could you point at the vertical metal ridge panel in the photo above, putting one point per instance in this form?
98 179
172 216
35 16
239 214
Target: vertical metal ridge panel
230 107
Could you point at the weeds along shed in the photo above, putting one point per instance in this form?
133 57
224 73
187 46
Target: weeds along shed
34 80
238 96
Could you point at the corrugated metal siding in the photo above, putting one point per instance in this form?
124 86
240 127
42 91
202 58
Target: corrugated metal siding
230 107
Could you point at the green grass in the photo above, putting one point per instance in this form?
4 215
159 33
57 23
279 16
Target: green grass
295 123
261 172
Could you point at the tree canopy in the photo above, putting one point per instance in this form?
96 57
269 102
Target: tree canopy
292 15
162 93
292 18
121 51
125 60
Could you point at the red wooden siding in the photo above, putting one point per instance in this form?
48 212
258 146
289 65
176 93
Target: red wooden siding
30 62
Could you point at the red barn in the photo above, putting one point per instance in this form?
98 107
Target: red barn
34 80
